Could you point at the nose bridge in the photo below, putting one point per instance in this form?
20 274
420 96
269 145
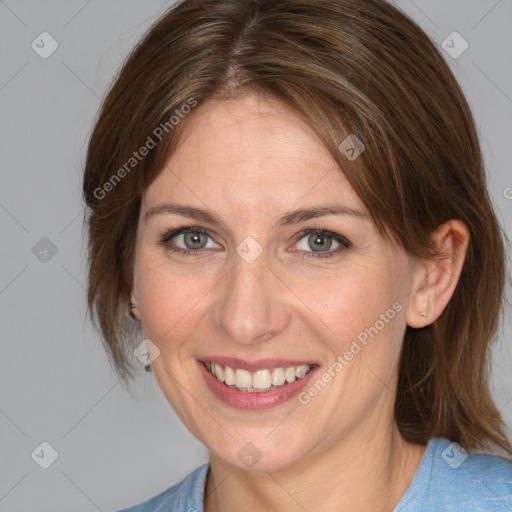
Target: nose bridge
251 308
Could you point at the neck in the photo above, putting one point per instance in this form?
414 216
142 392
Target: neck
370 472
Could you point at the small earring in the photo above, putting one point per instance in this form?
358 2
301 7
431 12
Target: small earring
132 307
423 314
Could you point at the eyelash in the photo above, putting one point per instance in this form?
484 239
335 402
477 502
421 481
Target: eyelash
173 232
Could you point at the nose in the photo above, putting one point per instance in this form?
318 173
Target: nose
251 307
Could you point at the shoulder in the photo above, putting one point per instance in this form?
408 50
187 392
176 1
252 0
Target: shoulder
183 497
449 478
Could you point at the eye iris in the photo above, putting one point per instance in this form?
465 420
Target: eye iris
323 242
193 240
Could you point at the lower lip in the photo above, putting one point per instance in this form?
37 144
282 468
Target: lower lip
254 400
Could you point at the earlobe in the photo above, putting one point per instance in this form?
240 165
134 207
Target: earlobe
133 307
436 279
418 314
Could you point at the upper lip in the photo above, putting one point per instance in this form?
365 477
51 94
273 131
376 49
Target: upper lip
259 364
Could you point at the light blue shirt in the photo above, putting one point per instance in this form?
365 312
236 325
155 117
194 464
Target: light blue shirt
447 480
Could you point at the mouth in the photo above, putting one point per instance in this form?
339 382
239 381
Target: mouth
256 385
259 381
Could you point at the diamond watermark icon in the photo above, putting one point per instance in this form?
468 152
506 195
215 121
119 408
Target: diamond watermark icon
44 455
454 455
146 352
352 147
249 250
44 45
455 45
44 250
249 455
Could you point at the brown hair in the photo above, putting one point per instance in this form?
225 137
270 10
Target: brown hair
347 67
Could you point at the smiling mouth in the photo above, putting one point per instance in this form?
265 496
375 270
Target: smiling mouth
260 380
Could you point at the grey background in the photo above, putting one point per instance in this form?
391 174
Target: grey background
114 449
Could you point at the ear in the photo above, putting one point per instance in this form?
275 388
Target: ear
134 312
435 280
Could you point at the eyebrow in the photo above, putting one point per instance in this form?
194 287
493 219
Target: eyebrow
290 218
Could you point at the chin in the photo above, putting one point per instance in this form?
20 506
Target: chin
264 453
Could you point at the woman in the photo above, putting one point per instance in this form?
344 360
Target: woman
288 198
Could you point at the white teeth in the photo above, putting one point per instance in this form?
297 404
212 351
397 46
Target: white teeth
261 380
278 377
229 376
243 379
290 374
219 372
300 371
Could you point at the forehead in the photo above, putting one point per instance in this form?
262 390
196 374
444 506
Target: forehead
250 152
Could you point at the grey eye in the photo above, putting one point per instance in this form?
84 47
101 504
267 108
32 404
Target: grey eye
193 240
317 242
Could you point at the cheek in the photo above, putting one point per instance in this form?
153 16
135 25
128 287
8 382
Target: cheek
169 302
363 307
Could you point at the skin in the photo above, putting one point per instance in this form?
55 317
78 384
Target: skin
251 161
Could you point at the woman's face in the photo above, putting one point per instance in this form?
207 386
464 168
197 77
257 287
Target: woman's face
260 292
